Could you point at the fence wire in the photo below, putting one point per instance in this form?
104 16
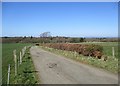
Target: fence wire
12 67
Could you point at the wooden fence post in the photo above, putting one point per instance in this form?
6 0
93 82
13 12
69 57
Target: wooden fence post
22 52
20 57
25 48
15 60
8 80
113 52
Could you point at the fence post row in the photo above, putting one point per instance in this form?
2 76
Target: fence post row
15 60
8 80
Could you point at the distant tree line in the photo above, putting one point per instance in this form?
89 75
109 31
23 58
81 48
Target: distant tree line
46 37
56 39
32 39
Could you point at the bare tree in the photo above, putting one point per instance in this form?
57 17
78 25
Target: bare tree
45 34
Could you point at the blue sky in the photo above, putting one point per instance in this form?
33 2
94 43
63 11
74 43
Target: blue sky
83 19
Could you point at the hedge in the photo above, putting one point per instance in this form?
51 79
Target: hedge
84 49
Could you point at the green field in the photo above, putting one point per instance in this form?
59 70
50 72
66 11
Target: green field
7 58
107 47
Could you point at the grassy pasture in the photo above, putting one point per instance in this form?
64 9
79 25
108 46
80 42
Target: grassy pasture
107 47
7 58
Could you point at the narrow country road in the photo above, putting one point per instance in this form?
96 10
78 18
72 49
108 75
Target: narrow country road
55 69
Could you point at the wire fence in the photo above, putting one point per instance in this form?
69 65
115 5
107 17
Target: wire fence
17 60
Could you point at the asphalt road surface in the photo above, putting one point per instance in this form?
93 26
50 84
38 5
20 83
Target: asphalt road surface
56 69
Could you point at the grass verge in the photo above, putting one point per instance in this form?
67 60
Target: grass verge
111 64
26 72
